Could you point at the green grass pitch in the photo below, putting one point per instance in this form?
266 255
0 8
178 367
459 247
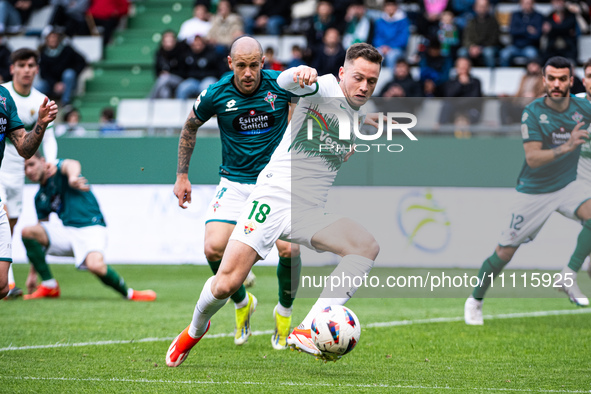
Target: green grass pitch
91 340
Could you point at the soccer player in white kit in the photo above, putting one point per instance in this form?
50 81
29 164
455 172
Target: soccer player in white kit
297 177
24 67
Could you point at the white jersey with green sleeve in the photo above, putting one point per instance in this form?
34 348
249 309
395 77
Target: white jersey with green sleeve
28 111
584 169
310 154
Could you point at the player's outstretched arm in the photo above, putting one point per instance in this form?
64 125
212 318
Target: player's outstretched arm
536 157
298 78
72 169
27 143
182 186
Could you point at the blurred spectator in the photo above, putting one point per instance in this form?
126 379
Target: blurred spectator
434 68
297 55
107 14
481 36
581 11
271 62
70 127
464 11
358 26
429 18
391 33
319 23
448 34
69 16
462 107
59 68
168 68
329 56
403 84
525 31
14 14
531 86
4 61
200 67
108 124
198 25
272 16
561 30
226 26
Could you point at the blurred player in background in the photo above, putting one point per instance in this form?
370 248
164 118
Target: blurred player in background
82 232
584 168
252 114
24 67
26 144
298 175
553 131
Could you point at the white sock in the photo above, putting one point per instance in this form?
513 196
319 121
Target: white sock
351 266
567 270
129 293
10 277
242 303
283 311
206 307
50 284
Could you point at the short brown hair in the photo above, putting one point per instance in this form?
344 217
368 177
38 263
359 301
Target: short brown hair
365 51
24 54
587 64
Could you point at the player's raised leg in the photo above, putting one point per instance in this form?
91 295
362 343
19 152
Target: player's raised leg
288 275
358 249
237 262
95 263
217 234
36 242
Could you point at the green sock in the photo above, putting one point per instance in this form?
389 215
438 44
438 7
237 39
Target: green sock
493 265
583 248
36 255
240 293
112 279
288 277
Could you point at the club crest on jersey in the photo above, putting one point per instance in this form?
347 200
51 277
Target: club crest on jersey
3 102
577 117
271 99
544 119
216 206
249 228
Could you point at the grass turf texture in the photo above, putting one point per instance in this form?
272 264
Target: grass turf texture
531 354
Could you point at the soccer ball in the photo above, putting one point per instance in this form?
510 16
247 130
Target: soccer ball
335 331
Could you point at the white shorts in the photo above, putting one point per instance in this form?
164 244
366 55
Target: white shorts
5 237
228 201
267 216
77 242
11 191
584 170
530 211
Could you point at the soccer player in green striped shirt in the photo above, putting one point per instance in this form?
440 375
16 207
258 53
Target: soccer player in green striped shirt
553 129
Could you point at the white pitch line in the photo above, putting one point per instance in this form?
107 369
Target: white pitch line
291 384
267 332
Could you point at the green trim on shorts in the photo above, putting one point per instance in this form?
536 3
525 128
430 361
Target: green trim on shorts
222 221
579 206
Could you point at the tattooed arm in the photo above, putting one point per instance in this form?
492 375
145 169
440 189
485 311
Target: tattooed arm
27 143
182 187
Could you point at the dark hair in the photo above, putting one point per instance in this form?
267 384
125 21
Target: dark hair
365 51
587 64
108 113
401 60
24 54
558 62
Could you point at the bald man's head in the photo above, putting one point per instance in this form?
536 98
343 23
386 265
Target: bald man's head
245 45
